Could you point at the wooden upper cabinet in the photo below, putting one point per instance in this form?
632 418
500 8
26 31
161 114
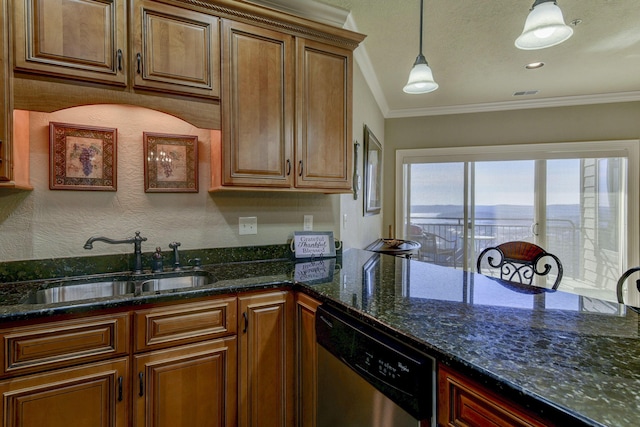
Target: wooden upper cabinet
323 117
6 99
257 106
175 50
82 39
274 83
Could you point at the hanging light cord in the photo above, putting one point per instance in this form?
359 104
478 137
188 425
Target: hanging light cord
421 14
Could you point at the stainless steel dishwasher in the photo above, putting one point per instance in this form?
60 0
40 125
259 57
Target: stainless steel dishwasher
369 379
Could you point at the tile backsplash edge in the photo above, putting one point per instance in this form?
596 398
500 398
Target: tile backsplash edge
16 271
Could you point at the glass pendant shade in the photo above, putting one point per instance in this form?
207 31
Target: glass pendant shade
420 78
544 27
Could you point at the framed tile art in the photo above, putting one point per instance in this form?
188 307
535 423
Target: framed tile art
82 157
170 163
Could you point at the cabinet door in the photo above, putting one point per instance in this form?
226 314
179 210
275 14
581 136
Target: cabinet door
323 116
94 395
188 386
6 98
266 360
307 358
81 39
257 106
175 50
462 402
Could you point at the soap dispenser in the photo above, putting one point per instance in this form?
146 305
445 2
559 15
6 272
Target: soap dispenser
156 261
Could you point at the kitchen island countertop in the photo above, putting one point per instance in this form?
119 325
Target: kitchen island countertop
562 355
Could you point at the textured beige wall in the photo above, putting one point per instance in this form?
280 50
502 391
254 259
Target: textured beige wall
582 123
44 223
359 231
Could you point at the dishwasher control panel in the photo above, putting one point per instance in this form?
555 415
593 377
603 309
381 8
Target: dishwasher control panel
400 372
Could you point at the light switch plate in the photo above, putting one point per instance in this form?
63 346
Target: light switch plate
248 225
308 223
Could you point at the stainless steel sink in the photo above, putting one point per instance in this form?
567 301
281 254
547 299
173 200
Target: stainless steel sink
177 282
104 287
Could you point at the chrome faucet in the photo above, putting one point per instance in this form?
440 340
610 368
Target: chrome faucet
137 244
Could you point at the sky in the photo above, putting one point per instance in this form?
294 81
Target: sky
498 182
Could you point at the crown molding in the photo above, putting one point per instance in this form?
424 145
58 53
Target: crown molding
566 101
361 58
311 9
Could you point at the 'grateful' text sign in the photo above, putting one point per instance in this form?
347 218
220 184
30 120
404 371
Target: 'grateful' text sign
309 244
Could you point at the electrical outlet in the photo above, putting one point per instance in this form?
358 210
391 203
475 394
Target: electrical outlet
248 225
308 223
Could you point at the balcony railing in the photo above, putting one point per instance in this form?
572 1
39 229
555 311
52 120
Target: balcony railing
563 238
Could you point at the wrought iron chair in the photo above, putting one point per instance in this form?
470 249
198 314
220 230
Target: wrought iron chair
621 281
520 262
435 248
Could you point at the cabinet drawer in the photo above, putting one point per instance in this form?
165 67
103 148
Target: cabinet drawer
160 327
70 342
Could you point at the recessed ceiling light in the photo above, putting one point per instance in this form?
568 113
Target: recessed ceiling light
534 65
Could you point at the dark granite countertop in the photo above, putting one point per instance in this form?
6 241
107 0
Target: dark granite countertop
573 359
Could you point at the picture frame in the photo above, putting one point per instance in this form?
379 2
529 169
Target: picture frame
170 163
82 157
372 173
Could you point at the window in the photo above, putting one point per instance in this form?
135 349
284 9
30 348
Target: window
577 200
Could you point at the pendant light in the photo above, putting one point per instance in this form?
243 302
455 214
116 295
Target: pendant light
420 77
544 27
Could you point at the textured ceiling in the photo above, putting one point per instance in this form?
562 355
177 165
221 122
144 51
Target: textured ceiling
469 45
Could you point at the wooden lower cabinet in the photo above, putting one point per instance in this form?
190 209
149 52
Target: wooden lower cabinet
307 357
168 365
463 402
266 360
187 386
92 395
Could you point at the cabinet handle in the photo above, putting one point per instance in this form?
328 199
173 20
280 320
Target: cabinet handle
119 56
119 389
141 377
288 167
246 322
300 168
139 63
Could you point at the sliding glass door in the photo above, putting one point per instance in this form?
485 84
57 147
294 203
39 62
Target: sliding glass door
571 199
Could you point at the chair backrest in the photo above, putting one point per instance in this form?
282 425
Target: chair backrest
621 281
521 262
415 230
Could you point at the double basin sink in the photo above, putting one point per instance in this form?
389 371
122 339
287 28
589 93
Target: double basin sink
77 289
